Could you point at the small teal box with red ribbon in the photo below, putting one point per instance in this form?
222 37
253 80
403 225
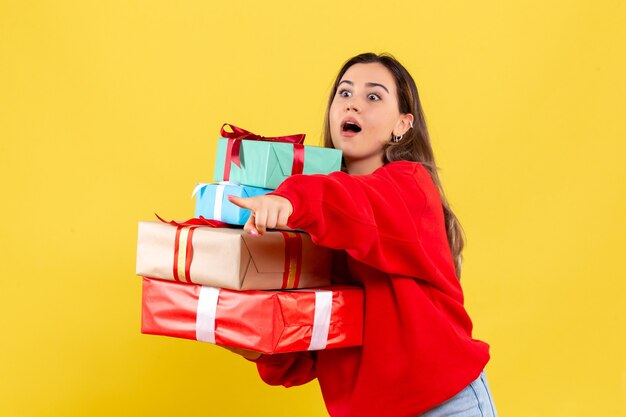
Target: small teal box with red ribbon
265 162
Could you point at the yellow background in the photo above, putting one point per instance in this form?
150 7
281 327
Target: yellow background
109 111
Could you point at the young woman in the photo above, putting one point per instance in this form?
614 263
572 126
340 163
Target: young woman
388 215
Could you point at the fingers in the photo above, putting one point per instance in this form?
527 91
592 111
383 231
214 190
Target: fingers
272 220
261 220
248 354
283 218
241 202
268 212
250 226
248 204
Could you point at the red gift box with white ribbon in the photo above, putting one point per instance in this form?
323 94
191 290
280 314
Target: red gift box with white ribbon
262 321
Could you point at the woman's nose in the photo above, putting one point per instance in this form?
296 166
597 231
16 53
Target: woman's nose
352 106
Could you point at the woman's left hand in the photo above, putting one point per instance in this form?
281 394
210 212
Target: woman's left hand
268 212
248 354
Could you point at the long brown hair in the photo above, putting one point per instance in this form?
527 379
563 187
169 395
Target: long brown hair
415 144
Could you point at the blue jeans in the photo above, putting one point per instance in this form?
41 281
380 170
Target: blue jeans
474 401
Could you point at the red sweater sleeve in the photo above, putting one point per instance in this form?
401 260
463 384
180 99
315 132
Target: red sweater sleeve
377 219
288 369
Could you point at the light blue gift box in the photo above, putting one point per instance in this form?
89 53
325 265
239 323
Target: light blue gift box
266 164
212 201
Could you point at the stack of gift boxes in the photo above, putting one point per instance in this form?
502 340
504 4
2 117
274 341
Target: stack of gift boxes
206 279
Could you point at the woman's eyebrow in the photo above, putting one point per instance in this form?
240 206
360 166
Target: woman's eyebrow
367 84
377 85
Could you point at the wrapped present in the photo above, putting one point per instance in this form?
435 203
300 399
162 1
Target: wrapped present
257 161
263 321
231 258
212 201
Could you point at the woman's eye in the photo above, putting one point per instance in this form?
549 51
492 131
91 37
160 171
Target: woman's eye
345 93
373 97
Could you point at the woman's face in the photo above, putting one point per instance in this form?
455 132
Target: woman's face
364 113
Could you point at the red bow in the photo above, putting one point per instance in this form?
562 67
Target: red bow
238 134
196 221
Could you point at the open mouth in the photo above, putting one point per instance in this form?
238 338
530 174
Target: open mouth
350 126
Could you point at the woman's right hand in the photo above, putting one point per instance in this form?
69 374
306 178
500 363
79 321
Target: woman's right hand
267 212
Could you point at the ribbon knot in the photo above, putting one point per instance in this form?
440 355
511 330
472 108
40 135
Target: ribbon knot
241 134
233 150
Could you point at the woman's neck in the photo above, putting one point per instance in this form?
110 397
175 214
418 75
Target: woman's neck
363 166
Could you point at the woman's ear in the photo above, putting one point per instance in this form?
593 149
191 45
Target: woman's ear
404 124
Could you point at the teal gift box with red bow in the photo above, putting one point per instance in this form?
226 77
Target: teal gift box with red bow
257 161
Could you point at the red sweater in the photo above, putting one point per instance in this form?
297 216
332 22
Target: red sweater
417 350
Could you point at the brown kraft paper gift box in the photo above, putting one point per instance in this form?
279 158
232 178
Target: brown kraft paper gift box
230 258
